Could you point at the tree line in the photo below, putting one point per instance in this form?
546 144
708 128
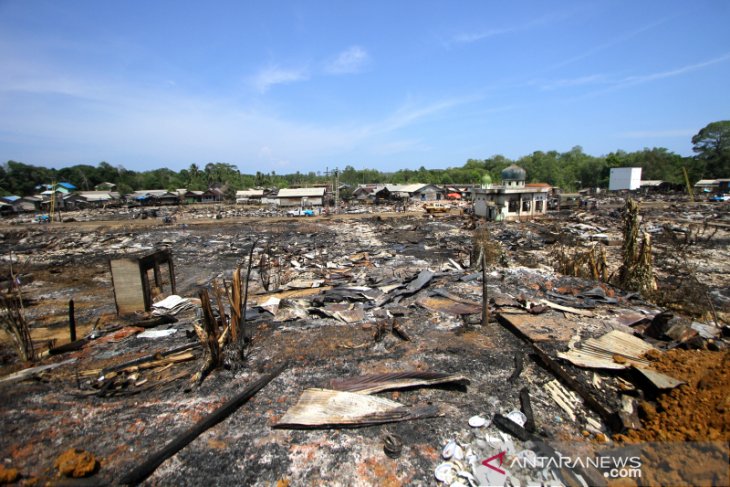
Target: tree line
569 170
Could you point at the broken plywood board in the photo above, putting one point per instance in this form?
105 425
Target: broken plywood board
129 291
446 305
290 294
599 353
370 384
322 408
539 328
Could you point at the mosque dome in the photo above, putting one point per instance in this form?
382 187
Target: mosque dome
486 180
514 173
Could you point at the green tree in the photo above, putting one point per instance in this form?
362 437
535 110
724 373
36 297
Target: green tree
712 146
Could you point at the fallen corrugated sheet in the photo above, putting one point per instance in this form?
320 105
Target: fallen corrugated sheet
370 384
659 380
421 280
345 312
599 353
539 328
327 408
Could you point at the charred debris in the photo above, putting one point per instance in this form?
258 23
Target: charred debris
387 349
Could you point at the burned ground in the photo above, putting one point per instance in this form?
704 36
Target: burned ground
336 279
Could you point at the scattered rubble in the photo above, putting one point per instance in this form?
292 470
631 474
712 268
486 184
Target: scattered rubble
380 319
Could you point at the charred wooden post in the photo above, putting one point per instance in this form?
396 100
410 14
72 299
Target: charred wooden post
485 291
242 337
208 335
519 366
71 321
235 300
489 253
527 409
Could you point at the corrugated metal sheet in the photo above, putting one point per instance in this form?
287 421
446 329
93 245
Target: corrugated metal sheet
404 188
599 352
250 193
301 192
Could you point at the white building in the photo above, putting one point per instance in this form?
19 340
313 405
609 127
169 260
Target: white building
249 195
302 197
624 178
513 199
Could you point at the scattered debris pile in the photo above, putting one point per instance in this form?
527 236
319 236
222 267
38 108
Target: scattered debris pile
366 357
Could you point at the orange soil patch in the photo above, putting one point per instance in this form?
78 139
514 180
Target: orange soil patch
698 411
76 463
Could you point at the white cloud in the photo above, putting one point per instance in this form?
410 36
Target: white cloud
275 75
572 82
632 80
351 60
88 116
616 83
617 40
145 126
470 37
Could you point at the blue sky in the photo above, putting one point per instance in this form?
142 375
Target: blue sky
302 86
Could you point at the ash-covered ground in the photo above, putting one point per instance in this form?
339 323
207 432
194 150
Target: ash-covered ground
334 279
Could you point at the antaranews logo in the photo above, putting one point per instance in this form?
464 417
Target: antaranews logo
613 467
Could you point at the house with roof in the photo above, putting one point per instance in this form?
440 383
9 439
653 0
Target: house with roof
62 187
365 193
190 196
9 199
706 185
249 196
88 199
154 197
27 204
6 208
302 197
57 198
513 199
213 195
412 192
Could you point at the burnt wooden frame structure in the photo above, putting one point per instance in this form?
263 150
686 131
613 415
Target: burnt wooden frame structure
126 294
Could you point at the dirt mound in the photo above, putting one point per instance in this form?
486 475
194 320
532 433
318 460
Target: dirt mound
686 431
696 411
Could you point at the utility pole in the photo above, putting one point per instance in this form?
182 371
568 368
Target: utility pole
337 190
52 206
689 186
